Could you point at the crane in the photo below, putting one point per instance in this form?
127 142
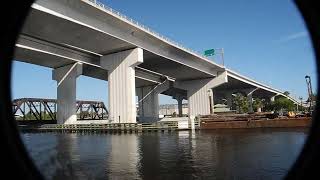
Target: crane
310 94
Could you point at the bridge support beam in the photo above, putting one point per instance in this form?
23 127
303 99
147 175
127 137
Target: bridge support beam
250 99
148 98
199 93
121 77
66 78
272 98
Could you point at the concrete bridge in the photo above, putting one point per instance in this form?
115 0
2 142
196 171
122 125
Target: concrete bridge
87 38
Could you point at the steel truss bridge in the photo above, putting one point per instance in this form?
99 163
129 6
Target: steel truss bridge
46 109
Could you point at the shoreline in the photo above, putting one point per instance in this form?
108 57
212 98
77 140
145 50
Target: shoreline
207 124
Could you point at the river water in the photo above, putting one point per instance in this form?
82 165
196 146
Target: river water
216 154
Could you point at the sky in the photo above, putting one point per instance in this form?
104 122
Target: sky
264 40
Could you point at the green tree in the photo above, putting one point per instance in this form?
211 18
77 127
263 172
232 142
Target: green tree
268 106
241 103
283 103
257 103
286 93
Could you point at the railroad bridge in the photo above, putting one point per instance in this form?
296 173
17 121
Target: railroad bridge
46 109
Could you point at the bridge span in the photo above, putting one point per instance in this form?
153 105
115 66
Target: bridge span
87 38
46 109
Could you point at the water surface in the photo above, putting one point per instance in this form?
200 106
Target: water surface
223 154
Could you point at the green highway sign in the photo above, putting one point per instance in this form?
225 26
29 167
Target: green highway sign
209 52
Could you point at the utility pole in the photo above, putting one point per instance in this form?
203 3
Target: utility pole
211 52
222 56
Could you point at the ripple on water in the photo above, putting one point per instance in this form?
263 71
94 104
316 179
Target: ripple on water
237 154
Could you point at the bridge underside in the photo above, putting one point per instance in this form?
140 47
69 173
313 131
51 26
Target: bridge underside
82 37
237 86
37 52
76 38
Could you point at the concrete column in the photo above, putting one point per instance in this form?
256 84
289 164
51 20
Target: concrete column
198 100
211 101
66 78
149 106
179 99
249 93
180 107
229 100
121 77
250 101
199 91
148 98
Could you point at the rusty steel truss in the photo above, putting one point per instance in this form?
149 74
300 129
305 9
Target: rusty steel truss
46 109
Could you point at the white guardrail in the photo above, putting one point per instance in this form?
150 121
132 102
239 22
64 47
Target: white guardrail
156 34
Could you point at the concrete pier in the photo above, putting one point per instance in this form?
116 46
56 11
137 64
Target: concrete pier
179 99
66 78
122 90
199 93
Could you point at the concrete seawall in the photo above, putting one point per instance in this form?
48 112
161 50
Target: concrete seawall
276 123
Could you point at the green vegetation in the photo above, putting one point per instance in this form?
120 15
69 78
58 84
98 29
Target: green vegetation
283 103
258 103
241 103
279 104
286 93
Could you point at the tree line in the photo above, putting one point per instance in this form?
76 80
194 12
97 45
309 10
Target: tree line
241 104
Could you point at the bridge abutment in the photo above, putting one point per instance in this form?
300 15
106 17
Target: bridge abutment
121 77
66 78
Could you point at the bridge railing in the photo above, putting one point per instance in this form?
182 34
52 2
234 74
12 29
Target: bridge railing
149 30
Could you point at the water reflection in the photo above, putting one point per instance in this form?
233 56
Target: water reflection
149 164
123 156
231 154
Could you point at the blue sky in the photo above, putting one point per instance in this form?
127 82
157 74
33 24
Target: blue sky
265 40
